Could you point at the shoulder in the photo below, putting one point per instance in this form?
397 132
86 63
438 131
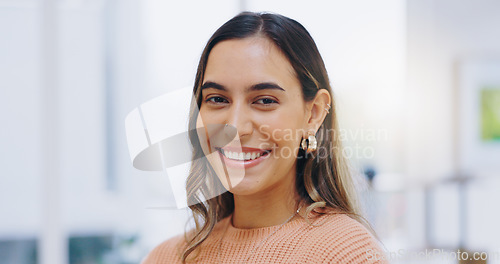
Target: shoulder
167 252
343 239
170 251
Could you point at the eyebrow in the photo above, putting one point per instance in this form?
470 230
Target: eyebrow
255 87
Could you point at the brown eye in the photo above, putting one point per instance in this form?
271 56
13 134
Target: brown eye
266 101
216 100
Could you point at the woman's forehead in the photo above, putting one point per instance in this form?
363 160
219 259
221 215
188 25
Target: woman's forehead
253 59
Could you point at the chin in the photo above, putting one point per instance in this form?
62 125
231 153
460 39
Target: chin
244 187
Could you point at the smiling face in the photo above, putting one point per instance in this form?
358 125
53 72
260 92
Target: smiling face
251 86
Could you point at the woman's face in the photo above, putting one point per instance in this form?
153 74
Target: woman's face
251 86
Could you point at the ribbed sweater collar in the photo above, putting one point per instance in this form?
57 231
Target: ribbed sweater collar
238 235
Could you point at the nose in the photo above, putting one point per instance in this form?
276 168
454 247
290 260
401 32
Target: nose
239 119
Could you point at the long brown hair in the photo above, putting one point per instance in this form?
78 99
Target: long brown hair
322 180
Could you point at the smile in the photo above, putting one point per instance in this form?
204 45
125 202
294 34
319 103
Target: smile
244 156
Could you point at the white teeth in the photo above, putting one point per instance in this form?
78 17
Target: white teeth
241 155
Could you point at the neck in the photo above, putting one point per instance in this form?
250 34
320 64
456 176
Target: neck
269 209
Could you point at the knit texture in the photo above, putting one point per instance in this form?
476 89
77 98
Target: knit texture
332 238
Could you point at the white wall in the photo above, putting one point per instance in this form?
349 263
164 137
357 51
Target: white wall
20 118
441 34
85 204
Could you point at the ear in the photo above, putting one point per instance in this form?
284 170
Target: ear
317 110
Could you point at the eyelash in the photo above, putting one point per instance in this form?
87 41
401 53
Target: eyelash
211 100
272 101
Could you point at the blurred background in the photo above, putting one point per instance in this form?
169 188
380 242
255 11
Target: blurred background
417 83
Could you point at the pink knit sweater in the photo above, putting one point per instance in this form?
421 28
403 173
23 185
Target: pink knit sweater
335 238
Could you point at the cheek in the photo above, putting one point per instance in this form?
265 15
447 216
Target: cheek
285 128
207 116
285 139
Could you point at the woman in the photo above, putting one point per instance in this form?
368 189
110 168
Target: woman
266 133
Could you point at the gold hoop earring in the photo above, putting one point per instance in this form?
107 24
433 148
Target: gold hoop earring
310 144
